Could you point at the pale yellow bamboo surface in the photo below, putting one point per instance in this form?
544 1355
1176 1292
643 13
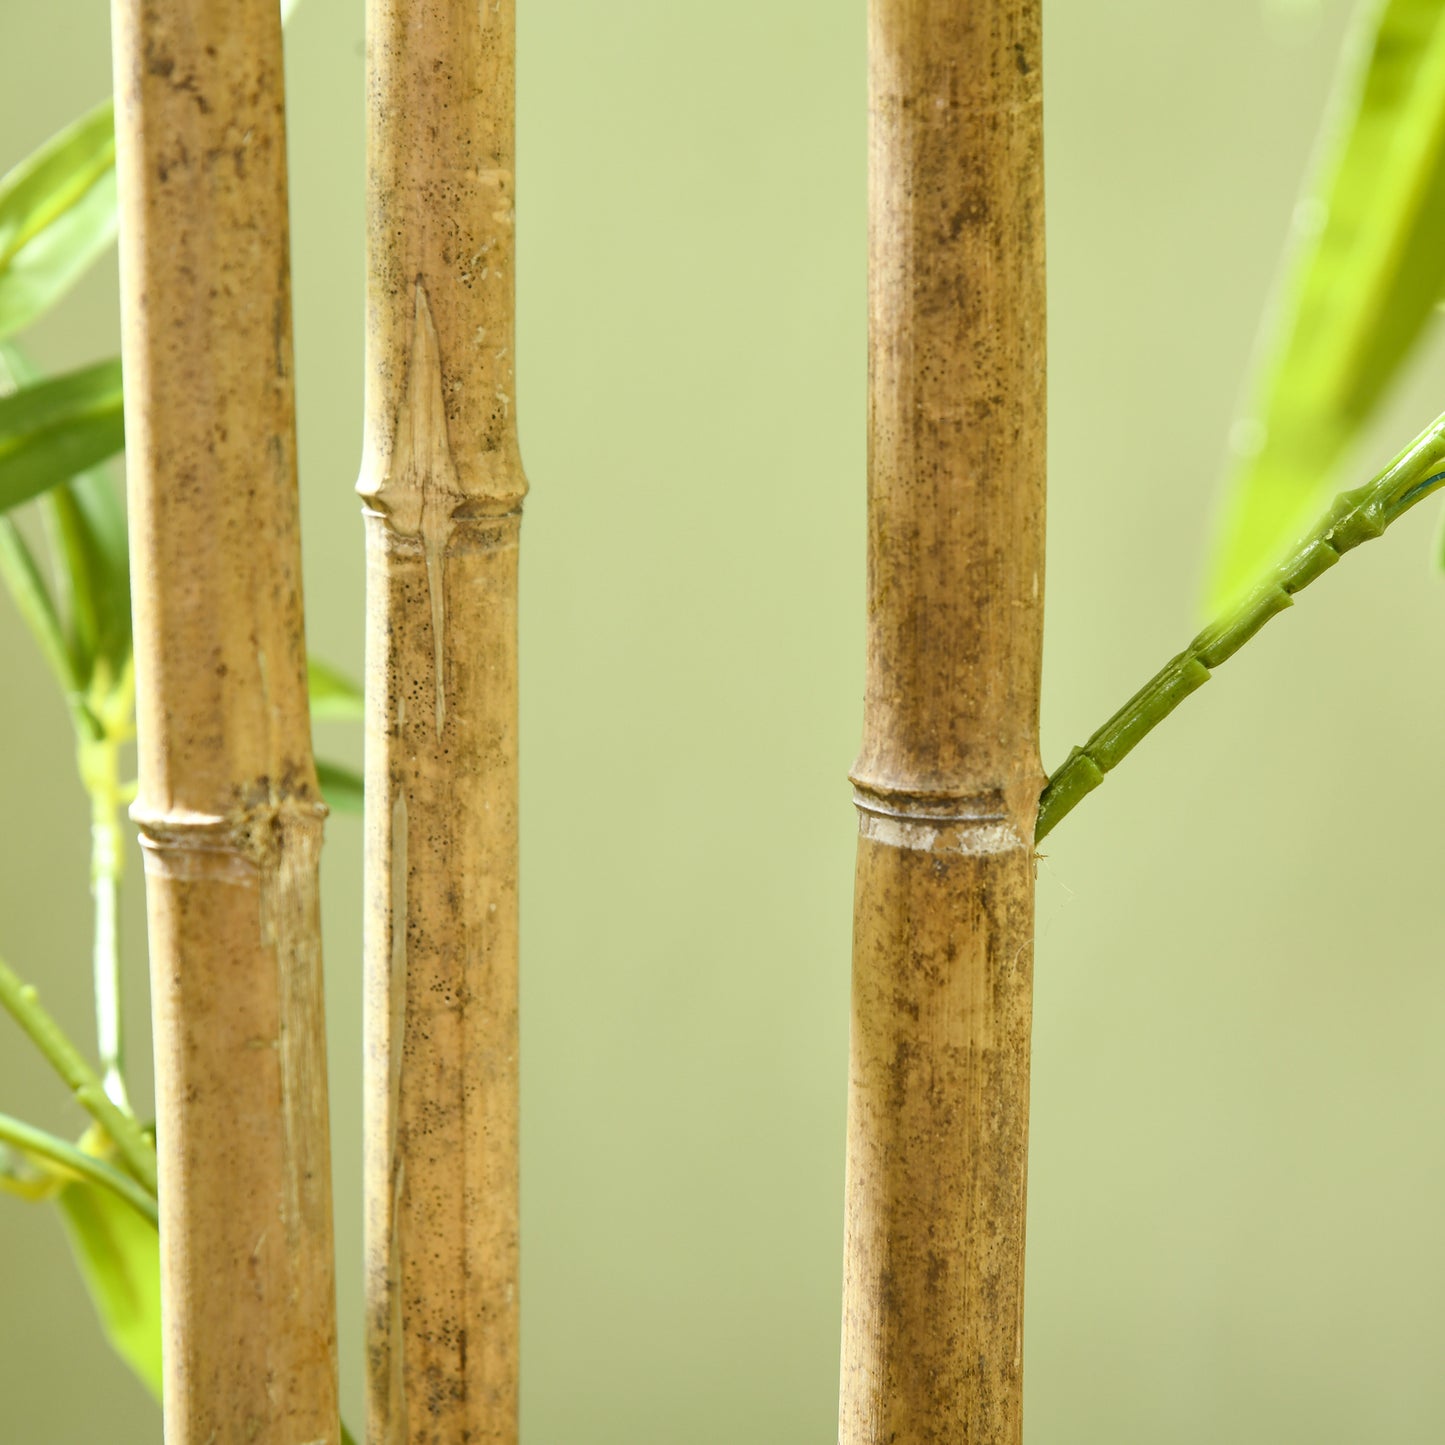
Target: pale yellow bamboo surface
443 486
229 809
949 775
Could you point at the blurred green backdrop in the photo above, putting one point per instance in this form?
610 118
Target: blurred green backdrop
1238 1164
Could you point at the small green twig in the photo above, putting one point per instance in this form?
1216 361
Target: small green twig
100 771
136 1152
1356 516
20 1180
42 1145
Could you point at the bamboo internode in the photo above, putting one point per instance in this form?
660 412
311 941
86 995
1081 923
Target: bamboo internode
442 484
229 810
948 778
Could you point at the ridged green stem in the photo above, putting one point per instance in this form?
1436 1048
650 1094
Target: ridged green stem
136 1152
42 1145
1354 517
100 771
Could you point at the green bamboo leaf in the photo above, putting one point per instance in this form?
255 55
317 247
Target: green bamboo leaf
1365 271
55 429
57 214
111 1224
333 694
118 1255
341 787
20 574
33 601
86 524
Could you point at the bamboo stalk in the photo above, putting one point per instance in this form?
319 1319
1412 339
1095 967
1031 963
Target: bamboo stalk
948 778
228 806
442 485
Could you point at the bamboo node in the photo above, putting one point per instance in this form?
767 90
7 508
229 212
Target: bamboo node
255 834
937 822
961 835
415 482
420 494
990 805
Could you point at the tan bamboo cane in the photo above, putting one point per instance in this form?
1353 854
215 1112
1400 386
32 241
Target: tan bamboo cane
442 485
229 810
949 777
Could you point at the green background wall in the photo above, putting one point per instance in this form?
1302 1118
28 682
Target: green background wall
1238 1164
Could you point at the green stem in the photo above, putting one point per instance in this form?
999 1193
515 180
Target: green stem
1354 517
135 1150
43 1145
100 770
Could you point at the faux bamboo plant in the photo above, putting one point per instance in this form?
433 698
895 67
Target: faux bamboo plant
940 812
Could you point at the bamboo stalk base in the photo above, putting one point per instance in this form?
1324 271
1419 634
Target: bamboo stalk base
937 1132
245 1169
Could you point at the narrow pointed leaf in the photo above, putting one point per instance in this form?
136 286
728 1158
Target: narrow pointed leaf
341 787
33 601
22 577
1365 271
118 1255
55 429
89 531
333 694
86 525
57 214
